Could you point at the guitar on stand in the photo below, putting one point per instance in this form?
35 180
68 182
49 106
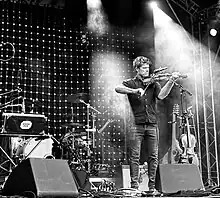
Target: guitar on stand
175 147
188 140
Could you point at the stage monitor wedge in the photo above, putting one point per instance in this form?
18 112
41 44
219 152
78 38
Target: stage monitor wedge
172 178
43 177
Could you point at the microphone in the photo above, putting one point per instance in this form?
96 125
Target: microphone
159 69
183 75
179 75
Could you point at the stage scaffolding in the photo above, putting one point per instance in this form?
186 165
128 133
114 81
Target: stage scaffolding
205 91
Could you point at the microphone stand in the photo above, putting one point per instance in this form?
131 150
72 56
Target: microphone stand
182 90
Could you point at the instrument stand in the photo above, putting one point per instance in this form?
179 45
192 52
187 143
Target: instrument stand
186 157
183 159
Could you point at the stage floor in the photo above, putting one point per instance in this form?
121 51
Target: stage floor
103 194
212 192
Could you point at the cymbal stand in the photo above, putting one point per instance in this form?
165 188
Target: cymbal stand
89 152
93 129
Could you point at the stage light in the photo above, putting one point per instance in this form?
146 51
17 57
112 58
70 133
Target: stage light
153 5
213 32
93 4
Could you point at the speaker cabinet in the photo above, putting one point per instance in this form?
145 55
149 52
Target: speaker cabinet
172 178
43 177
24 123
82 179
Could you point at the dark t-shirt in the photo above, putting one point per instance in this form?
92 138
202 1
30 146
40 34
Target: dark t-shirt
144 108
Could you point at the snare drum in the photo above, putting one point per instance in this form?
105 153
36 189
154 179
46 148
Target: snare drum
35 147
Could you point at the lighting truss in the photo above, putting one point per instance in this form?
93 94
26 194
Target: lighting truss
211 12
208 128
188 5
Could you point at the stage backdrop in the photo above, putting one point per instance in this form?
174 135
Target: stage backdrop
56 60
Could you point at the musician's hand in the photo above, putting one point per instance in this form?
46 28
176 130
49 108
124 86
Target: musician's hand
175 76
152 80
139 92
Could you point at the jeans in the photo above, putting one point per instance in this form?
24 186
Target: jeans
150 134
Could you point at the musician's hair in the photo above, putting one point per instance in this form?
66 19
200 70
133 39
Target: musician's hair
140 60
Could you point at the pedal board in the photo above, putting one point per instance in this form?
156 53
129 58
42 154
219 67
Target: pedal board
102 183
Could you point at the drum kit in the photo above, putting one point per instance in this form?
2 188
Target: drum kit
78 146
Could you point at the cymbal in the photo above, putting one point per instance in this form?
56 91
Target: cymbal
71 124
75 98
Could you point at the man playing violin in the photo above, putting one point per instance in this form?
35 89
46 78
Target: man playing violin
143 104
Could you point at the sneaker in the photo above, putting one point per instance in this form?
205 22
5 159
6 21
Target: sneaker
135 187
154 192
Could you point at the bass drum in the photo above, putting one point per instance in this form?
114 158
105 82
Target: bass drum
35 147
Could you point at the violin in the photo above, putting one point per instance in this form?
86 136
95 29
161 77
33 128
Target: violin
188 142
156 77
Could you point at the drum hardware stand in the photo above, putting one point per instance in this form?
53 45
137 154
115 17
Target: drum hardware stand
93 129
73 129
5 119
3 129
8 157
88 130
